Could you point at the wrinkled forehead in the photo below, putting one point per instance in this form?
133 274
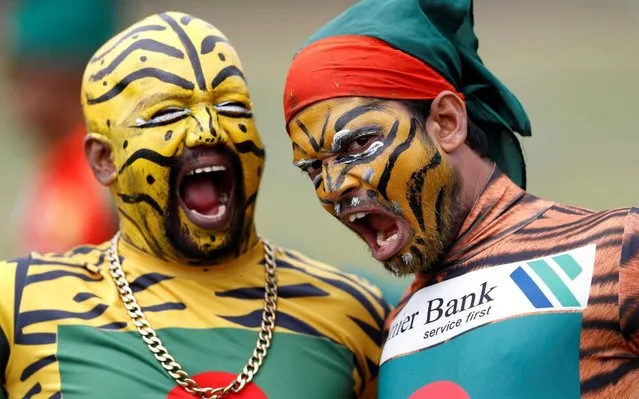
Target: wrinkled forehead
321 124
164 53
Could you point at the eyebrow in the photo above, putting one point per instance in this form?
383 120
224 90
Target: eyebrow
231 90
346 135
157 97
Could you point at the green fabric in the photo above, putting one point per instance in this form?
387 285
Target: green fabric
60 32
440 33
528 357
98 363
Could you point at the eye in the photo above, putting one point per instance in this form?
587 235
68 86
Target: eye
312 168
233 109
359 144
165 116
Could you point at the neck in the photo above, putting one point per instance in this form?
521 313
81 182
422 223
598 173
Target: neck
169 254
473 177
139 262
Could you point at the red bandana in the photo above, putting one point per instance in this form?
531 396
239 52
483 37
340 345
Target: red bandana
358 66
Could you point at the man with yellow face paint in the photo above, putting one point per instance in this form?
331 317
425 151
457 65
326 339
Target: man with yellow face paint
187 293
410 141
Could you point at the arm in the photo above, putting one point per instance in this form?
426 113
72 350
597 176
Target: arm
629 281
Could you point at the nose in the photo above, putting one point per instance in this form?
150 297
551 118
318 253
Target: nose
204 130
338 182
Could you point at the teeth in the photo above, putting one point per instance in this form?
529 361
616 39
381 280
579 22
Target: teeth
221 210
356 216
382 240
207 169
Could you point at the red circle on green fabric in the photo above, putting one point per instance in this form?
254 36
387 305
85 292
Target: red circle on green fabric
218 379
440 390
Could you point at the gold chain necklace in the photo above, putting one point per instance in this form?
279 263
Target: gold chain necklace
162 355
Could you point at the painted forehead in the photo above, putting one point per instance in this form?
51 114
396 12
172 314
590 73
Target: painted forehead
168 53
322 127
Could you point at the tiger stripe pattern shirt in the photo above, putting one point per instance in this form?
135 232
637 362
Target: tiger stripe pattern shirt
534 300
64 332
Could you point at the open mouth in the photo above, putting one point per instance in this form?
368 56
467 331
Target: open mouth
206 189
384 232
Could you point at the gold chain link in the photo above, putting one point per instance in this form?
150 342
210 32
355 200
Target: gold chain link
155 345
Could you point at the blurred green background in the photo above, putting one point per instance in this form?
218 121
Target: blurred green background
571 62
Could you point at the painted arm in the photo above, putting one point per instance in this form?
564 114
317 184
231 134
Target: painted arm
629 281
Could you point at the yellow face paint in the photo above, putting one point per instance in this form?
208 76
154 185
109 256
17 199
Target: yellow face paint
169 97
374 167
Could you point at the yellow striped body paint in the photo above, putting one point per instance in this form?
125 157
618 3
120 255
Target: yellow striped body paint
367 153
164 65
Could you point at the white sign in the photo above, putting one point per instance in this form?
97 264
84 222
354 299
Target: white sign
442 311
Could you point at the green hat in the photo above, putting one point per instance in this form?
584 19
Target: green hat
60 32
440 34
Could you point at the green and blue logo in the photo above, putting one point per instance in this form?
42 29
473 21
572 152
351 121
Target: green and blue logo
550 278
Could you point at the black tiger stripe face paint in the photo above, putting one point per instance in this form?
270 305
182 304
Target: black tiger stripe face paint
170 98
374 167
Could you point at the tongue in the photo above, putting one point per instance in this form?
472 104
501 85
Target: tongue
200 194
381 222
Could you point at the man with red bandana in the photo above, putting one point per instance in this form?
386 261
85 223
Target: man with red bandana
410 141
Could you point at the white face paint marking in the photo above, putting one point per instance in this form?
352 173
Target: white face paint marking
174 114
407 258
337 139
368 175
369 151
338 209
354 202
303 163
